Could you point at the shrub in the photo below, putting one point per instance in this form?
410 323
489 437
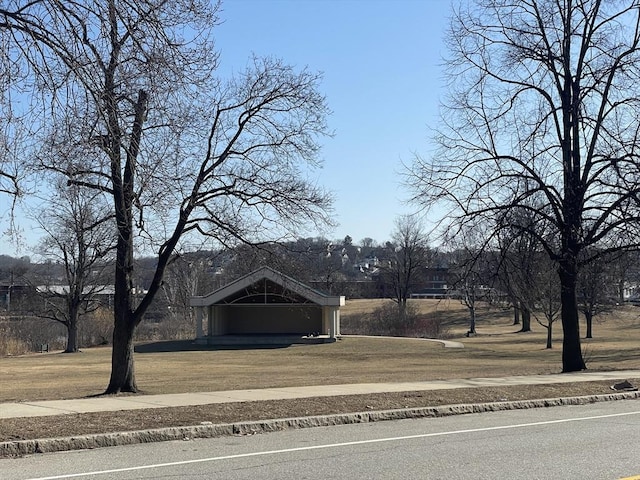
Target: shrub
28 334
386 320
10 345
427 327
96 328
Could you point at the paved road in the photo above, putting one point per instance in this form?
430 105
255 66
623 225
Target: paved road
599 441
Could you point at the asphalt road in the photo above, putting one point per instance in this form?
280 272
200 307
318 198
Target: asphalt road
600 441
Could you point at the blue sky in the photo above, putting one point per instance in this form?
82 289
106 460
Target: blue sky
383 81
381 61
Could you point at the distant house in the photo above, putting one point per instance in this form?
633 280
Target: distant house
369 263
434 285
266 307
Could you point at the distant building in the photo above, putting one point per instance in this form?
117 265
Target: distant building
101 293
434 285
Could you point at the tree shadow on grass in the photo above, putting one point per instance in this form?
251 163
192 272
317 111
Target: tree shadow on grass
191 346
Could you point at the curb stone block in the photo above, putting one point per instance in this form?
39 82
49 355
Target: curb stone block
47 445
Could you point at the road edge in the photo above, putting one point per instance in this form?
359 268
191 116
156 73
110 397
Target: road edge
19 448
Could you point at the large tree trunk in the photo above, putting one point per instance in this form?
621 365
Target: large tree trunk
516 314
122 367
72 336
123 378
122 370
572 360
526 319
72 327
126 318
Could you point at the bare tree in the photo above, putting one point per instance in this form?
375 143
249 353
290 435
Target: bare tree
12 138
12 130
9 175
504 274
328 266
79 237
623 272
408 256
187 276
520 261
528 274
468 286
595 293
179 151
544 297
470 273
368 242
543 106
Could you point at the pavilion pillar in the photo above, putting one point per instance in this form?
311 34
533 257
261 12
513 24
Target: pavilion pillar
331 321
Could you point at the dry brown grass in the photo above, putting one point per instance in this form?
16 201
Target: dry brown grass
496 351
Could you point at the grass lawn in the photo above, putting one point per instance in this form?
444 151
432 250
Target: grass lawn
497 350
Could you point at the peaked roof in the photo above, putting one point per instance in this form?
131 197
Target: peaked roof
284 281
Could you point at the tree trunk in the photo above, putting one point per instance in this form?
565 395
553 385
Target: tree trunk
123 377
526 320
122 367
572 360
72 325
589 320
123 180
72 337
550 335
472 320
402 313
516 314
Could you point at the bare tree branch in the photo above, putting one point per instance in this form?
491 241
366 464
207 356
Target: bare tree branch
542 117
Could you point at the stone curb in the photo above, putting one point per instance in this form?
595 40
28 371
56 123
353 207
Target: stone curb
48 445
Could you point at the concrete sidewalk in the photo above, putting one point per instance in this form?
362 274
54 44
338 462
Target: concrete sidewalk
135 402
